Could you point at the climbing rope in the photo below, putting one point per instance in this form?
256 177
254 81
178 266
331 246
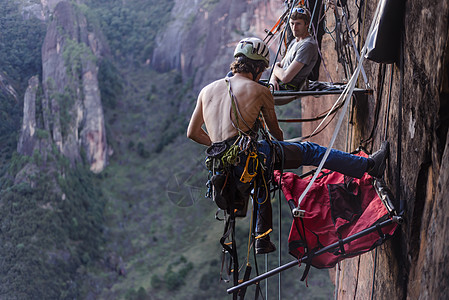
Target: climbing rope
316 118
374 273
377 106
316 132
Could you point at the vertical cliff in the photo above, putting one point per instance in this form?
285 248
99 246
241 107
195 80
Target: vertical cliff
71 109
413 116
51 213
26 140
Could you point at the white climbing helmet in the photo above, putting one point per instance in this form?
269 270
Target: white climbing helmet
253 48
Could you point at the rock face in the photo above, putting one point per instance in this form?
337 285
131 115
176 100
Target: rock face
7 88
71 109
26 140
41 9
413 265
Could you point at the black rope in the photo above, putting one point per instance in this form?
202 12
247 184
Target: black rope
374 273
317 118
229 231
380 85
388 103
399 143
280 212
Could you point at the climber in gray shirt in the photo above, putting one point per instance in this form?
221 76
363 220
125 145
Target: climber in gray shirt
302 54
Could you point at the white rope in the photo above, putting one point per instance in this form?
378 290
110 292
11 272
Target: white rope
349 89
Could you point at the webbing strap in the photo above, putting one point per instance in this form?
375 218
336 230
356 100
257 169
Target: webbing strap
306 271
306 249
232 250
234 106
379 231
263 234
236 111
342 246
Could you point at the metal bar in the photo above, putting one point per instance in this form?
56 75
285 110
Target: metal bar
319 252
318 93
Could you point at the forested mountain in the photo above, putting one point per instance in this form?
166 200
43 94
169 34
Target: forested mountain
101 193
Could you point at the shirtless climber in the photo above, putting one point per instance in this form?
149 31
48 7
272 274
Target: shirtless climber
229 108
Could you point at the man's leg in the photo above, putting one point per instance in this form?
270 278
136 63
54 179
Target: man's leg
264 218
339 161
264 223
311 154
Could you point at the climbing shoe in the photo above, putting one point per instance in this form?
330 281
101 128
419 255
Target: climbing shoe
264 245
378 160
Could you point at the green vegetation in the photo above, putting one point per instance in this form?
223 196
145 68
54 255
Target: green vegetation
140 294
48 232
74 53
173 279
20 58
111 84
65 103
10 113
20 43
42 134
209 4
131 26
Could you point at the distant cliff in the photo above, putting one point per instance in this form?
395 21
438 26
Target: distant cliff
41 9
51 214
70 107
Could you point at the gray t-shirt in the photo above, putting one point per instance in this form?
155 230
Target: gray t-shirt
305 51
